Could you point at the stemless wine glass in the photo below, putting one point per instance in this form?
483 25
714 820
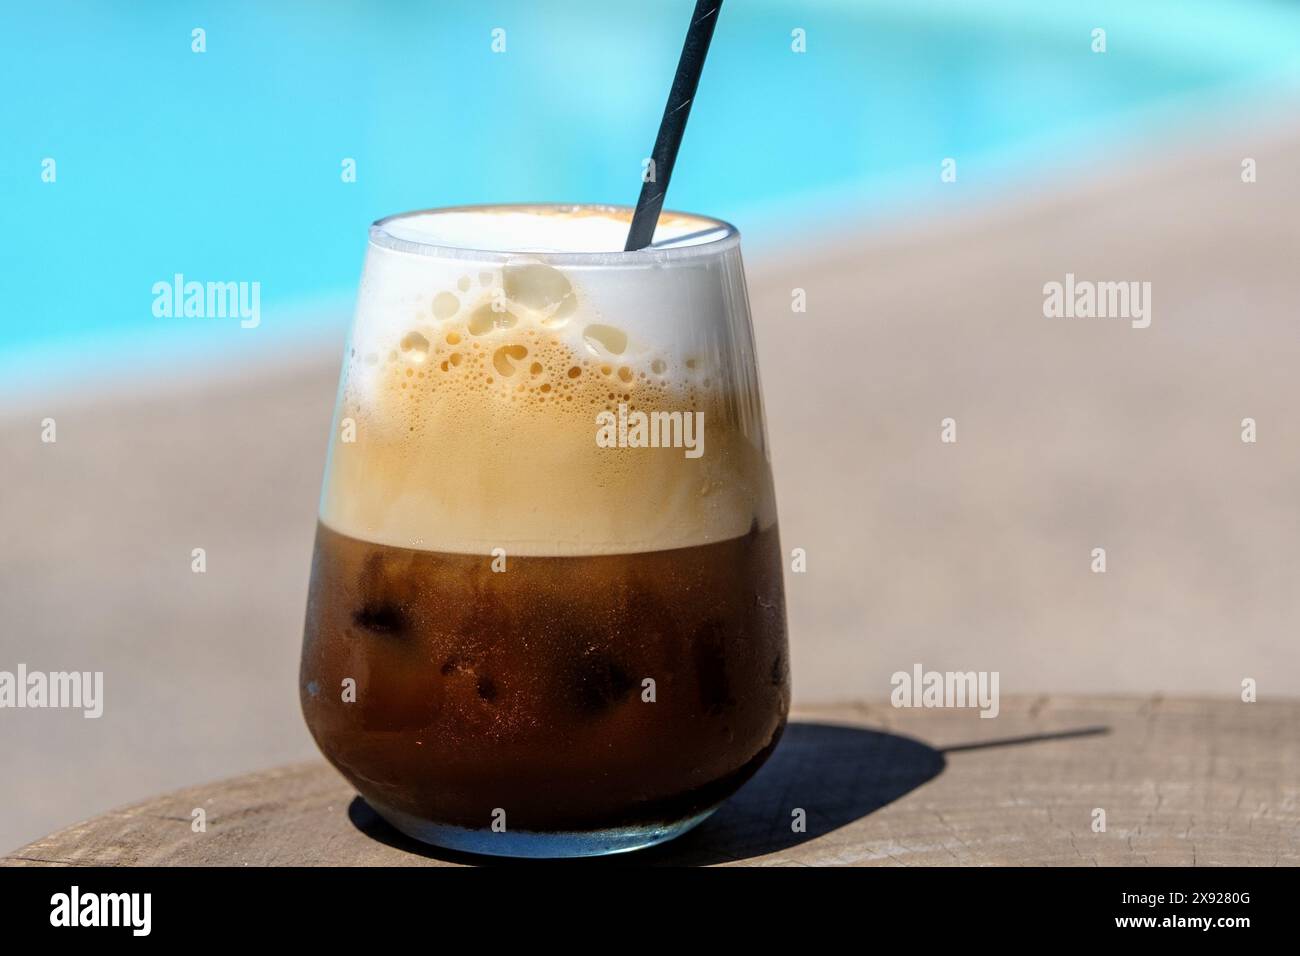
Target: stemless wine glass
546 614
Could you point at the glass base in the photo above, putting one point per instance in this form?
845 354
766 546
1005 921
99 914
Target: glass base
532 844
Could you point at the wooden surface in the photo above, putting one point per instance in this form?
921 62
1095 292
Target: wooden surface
1182 782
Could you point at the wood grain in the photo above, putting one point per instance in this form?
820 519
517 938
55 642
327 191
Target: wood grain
1182 782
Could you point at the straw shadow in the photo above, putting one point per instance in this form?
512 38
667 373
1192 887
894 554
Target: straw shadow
1093 731
836 774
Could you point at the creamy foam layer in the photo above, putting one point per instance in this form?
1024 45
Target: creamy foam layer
472 387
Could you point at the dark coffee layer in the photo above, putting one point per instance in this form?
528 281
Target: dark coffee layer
526 690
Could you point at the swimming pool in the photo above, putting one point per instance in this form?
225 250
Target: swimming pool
227 165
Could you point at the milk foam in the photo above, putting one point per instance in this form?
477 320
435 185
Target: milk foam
474 377
546 229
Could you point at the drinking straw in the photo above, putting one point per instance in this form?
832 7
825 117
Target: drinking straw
673 125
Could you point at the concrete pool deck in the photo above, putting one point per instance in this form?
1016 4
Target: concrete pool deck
1072 434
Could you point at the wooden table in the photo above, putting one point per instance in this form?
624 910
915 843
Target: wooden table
1182 782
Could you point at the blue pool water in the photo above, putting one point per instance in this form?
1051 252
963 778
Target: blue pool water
226 165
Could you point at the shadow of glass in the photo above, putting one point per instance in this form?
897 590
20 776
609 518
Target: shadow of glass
835 774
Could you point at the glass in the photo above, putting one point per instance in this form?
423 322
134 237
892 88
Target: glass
546 614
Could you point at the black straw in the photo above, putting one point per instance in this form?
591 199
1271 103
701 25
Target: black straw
673 125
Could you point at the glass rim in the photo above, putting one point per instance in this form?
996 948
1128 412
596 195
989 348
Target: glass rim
728 238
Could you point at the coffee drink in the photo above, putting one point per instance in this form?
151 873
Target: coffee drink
546 613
